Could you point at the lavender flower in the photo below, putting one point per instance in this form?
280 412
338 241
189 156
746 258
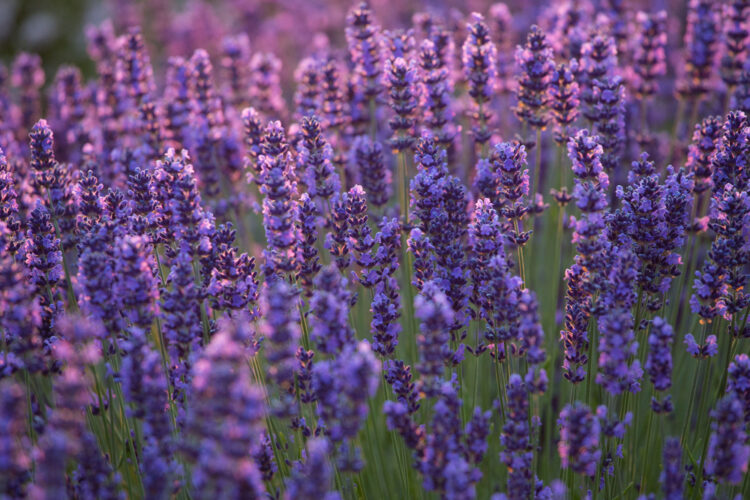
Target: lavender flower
577 313
265 85
728 451
309 264
363 38
738 382
279 205
253 129
486 240
424 259
536 65
282 335
701 37
436 94
315 156
617 344
649 58
233 283
515 438
563 99
701 150
27 75
508 160
16 457
659 360
311 479
337 240
224 403
136 287
42 161
436 316
734 17
672 478
342 387
579 439
610 125
375 173
307 95
329 309
478 57
401 78
236 61
701 351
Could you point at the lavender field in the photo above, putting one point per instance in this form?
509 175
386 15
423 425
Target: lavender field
326 251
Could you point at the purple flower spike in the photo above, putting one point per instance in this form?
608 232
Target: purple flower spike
649 59
579 439
659 360
435 314
401 77
518 450
329 308
672 477
728 451
536 64
478 55
282 334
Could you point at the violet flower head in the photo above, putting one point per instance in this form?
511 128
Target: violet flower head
508 160
728 451
342 386
233 283
329 312
702 35
501 27
27 75
735 31
729 163
265 86
424 259
235 62
280 204
672 477
364 39
577 314
649 58
337 240
309 261
282 334
536 65
312 478
42 150
705 350
375 173
618 372
659 360
738 382
315 160
701 150
478 56
436 316
530 329
332 107
579 439
135 67
486 240
401 78
136 287
178 94
435 94
41 250
17 460
515 437
223 402
307 95
253 132
563 99
610 125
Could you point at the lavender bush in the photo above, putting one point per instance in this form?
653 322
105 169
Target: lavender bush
409 251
